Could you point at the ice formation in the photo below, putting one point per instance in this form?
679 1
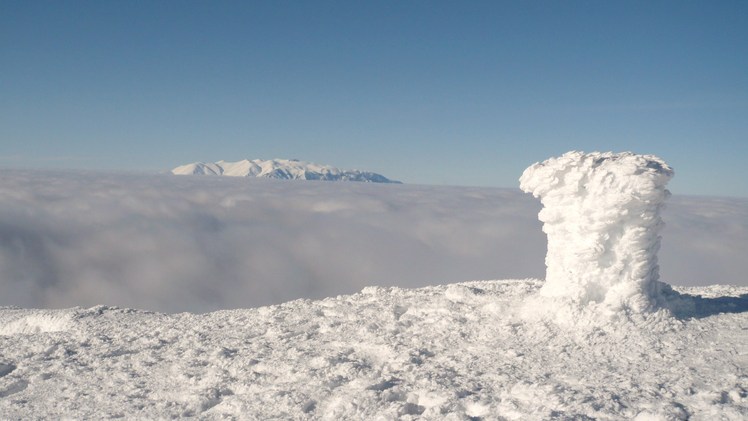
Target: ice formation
601 213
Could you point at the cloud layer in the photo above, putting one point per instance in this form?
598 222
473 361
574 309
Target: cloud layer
172 243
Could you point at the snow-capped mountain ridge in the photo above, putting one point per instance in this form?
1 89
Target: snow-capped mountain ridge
284 169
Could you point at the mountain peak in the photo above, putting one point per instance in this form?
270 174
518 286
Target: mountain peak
285 169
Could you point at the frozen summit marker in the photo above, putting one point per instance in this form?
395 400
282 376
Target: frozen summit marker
601 213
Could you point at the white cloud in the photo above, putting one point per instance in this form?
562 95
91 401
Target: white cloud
705 241
197 244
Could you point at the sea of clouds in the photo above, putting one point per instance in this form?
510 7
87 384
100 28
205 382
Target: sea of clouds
184 243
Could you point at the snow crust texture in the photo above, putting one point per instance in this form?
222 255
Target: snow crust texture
285 169
451 352
602 217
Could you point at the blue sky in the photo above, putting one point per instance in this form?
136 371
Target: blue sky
461 93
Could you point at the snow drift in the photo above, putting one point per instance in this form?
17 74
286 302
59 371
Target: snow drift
446 352
602 217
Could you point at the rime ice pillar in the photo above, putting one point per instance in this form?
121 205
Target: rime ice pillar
601 213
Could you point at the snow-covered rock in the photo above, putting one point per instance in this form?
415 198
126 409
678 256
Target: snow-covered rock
451 352
285 169
602 217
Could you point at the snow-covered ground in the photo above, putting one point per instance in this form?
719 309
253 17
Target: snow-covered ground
456 352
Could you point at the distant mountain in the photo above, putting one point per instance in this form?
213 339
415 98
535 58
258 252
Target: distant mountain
285 169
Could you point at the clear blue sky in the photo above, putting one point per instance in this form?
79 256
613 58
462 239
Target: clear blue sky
458 92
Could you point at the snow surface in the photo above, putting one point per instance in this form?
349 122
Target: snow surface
455 352
284 169
602 217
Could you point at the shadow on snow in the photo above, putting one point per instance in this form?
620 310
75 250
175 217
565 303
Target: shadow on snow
686 306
